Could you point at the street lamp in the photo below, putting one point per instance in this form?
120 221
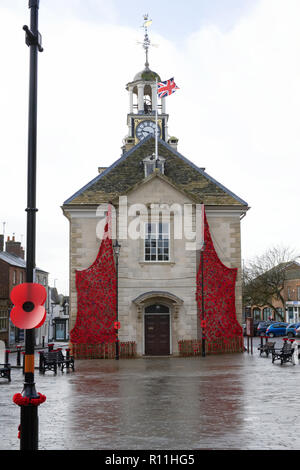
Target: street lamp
203 324
29 415
117 248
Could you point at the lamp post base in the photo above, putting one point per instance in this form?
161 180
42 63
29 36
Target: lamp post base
29 428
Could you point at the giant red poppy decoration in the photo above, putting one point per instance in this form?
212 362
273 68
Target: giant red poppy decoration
96 297
219 313
28 311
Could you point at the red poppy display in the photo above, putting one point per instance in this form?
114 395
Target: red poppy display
28 311
219 314
18 399
96 298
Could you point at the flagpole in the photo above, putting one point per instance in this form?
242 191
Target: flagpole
156 133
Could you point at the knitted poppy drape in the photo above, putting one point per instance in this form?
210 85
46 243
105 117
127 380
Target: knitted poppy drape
96 298
219 295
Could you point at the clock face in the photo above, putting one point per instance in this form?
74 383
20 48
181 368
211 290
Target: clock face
146 128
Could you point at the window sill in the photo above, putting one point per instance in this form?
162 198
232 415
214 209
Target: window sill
168 263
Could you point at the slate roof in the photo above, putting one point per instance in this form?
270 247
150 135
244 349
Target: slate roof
128 171
14 260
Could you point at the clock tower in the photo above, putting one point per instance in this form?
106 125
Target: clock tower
144 102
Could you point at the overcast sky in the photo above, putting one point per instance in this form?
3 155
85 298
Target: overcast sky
237 63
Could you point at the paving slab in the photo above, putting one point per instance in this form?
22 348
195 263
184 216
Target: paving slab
233 401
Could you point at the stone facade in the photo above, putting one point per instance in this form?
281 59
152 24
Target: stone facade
177 183
142 283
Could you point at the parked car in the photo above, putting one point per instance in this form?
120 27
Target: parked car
276 329
298 331
263 325
291 329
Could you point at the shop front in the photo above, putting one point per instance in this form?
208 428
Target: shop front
292 311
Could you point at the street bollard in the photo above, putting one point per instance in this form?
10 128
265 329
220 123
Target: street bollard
7 356
262 340
19 355
68 356
40 360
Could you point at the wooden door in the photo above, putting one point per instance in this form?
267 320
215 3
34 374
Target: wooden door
157 335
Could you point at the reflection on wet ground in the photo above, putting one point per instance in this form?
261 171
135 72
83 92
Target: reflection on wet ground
235 401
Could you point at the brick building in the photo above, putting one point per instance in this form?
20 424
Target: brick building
288 311
12 273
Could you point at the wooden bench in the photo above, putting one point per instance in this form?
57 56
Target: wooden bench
5 368
50 360
65 361
5 371
267 348
285 354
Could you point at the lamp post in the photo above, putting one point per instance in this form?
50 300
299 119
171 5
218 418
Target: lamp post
202 303
117 248
29 416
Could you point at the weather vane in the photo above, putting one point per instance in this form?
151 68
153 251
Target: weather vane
146 43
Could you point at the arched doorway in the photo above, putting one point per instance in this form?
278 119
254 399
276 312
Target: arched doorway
171 306
157 330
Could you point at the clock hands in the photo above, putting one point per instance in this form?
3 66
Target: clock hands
146 128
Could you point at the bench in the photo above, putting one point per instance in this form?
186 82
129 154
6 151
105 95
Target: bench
50 360
5 371
285 354
267 348
65 361
5 367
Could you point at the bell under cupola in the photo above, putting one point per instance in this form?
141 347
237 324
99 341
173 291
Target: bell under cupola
144 102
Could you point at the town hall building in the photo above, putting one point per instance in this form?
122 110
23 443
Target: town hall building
157 197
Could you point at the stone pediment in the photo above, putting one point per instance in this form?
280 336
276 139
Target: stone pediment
128 172
157 188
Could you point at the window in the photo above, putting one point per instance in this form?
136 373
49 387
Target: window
156 308
150 165
256 314
149 168
15 277
267 313
157 242
3 321
279 315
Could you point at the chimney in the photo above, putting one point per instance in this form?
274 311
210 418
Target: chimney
14 248
173 142
128 143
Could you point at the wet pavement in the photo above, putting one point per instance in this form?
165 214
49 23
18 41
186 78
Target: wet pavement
233 401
